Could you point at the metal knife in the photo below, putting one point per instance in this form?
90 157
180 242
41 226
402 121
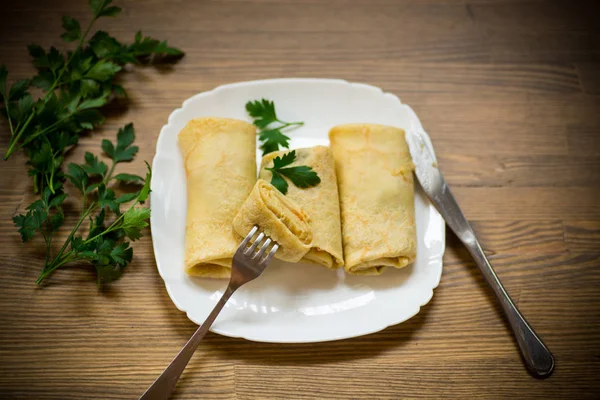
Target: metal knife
536 355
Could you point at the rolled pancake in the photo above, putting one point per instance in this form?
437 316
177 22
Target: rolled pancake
220 164
374 170
320 202
278 217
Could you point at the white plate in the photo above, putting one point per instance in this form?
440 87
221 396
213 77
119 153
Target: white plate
293 303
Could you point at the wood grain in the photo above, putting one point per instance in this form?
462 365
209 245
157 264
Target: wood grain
509 92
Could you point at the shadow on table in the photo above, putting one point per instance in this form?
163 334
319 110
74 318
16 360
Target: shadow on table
236 349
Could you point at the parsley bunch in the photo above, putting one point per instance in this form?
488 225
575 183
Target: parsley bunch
106 245
76 85
301 175
264 115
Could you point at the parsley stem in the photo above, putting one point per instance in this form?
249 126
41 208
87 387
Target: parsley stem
11 148
110 228
15 139
50 185
38 133
7 108
110 172
48 240
286 124
54 266
64 246
64 68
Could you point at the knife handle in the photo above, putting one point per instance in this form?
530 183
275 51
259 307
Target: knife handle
536 355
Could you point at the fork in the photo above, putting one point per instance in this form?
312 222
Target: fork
247 265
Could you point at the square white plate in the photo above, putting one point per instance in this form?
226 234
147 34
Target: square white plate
293 303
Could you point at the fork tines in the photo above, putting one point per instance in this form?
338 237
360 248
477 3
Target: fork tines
256 242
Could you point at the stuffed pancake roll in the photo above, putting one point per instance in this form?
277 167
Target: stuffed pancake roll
320 202
278 217
219 155
375 178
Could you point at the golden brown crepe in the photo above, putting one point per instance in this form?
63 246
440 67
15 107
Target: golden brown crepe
320 202
220 164
278 217
374 171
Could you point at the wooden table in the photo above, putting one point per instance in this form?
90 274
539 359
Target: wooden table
509 92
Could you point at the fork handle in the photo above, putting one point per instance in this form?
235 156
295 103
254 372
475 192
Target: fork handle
164 385
536 355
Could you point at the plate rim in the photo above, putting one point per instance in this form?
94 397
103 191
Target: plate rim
416 124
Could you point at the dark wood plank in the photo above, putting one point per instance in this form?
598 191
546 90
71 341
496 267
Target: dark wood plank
531 31
518 237
588 74
521 171
583 141
529 203
582 235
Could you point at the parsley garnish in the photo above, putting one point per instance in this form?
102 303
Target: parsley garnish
264 115
76 85
301 176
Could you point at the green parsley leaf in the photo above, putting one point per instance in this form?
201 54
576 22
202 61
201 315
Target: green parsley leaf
93 103
128 178
24 107
55 60
97 224
58 200
107 272
107 198
123 151
272 139
264 115
43 80
92 166
263 112
78 177
19 89
147 48
127 197
88 119
100 8
122 254
103 70
110 11
40 59
108 258
163 48
269 147
145 191
279 182
56 221
134 220
105 46
72 29
88 87
285 160
301 176
32 221
119 91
